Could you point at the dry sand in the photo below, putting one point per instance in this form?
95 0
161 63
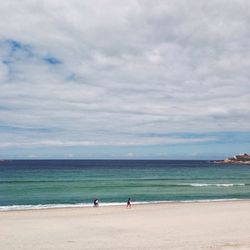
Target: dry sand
214 225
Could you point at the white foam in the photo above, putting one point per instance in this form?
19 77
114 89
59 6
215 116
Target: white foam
79 205
42 206
216 184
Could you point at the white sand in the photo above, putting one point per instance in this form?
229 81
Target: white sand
214 225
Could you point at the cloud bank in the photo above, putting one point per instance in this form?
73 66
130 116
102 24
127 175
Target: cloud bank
122 73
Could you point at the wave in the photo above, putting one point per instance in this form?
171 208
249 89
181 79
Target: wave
84 205
216 184
128 185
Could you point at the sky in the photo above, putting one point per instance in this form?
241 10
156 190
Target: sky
133 79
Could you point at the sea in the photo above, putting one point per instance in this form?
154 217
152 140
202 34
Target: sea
39 184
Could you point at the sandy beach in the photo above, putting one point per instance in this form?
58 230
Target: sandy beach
213 225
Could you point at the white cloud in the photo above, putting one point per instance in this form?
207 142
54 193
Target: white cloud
104 141
126 68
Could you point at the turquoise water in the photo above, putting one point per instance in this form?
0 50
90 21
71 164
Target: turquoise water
43 183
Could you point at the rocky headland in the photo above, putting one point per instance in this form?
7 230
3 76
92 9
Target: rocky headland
237 159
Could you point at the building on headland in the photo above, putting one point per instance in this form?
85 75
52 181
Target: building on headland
241 159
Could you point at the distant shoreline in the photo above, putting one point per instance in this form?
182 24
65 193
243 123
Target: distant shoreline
236 159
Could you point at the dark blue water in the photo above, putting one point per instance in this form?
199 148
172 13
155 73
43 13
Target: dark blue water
51 182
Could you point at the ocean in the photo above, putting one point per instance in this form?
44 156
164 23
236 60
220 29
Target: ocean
37 184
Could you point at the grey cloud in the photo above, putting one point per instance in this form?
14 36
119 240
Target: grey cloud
125 67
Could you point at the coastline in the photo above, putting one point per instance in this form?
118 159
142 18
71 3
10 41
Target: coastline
190 225
111 204
242 159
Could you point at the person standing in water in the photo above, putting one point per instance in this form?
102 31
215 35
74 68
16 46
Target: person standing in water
129 203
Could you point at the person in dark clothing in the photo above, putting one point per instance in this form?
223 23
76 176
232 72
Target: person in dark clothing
96 203
129 203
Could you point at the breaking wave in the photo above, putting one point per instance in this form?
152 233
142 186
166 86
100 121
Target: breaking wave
216 184
82 205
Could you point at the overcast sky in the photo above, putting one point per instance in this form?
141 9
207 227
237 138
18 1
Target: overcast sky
124 79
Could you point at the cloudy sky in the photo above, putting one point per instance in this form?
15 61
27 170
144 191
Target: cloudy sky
124 79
